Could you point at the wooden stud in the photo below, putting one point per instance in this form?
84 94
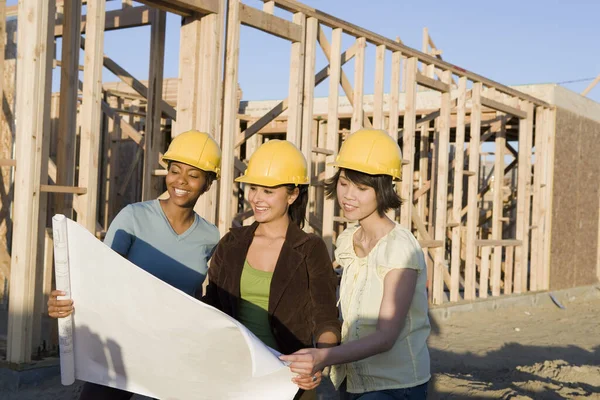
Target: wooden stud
332 138
485 272
394 107
500 242
91 114
308 124
230 109
472 187
497 203
296 85
441 214
431 83
69 80
509 265
549 188
185 8
358 116
590 86
457 194
269 7
537 212
379 89
499 106
408 142
155 143
34 66
523 199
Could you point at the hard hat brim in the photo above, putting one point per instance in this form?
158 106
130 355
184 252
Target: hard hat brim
267 181
192 163
366 169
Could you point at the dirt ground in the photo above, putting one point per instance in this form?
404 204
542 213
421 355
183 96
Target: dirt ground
525 352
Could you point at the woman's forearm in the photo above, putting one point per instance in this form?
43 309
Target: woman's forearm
355 350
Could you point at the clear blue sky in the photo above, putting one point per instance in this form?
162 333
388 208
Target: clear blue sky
512 42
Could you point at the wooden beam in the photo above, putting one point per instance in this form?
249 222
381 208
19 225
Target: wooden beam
499 129
523 199
269 23
332 138
91 114
472 187
63 189
230 109
67 121
498 242
432 83
185 8
408 142
590 86
358 113
441 214
550 151
34 66
356 31
117 19
537 204
296 85
379 87
308 124
498 106
155 141
484 276
394 107
457 193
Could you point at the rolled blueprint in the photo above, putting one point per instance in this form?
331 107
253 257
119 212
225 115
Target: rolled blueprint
63 282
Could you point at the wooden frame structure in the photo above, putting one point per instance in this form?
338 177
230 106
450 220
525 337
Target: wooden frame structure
479 231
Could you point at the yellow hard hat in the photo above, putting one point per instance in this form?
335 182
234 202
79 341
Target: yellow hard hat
371 151
197 149
277 162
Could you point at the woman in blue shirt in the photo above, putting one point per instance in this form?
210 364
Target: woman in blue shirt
164 237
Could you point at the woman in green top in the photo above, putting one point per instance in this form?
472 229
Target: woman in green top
272 276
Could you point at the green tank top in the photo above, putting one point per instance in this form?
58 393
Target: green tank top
255 287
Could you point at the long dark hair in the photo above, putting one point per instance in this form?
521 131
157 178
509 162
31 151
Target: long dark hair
297 210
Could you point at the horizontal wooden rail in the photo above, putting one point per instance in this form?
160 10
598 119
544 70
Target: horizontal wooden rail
265 22
185 8
356 31
431 83
5 162
503 242
63 189
430 244
498 106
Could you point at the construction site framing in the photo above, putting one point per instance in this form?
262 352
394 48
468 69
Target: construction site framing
482 231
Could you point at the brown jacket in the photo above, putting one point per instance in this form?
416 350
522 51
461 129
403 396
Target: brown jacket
302 302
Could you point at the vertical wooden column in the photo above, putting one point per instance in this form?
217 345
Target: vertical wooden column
308 125
441 215
538 230
394 104
408 140
473 188
154 143
296 85
357 121
457 194
91 113
67 121
523 199
35 55
379 87
549 154
230 109
332 138
497 203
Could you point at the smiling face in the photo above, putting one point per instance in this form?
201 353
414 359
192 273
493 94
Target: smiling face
185 184
358 201
270 203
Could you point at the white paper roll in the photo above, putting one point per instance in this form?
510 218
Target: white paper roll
63 282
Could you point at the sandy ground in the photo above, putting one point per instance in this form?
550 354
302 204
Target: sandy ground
540 352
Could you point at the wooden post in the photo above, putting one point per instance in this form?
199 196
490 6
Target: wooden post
441 215
35 55
473 188
67 121
155 141
457 194
359 84
408 141
91 113
332 138
296 85
230 109
394 107
497 204
523 199
485 272
549 154
379 87
310 52
538 230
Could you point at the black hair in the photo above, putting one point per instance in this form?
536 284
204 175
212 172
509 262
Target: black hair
297 210
385 191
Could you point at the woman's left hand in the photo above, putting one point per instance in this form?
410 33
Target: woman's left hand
308 382
306 362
